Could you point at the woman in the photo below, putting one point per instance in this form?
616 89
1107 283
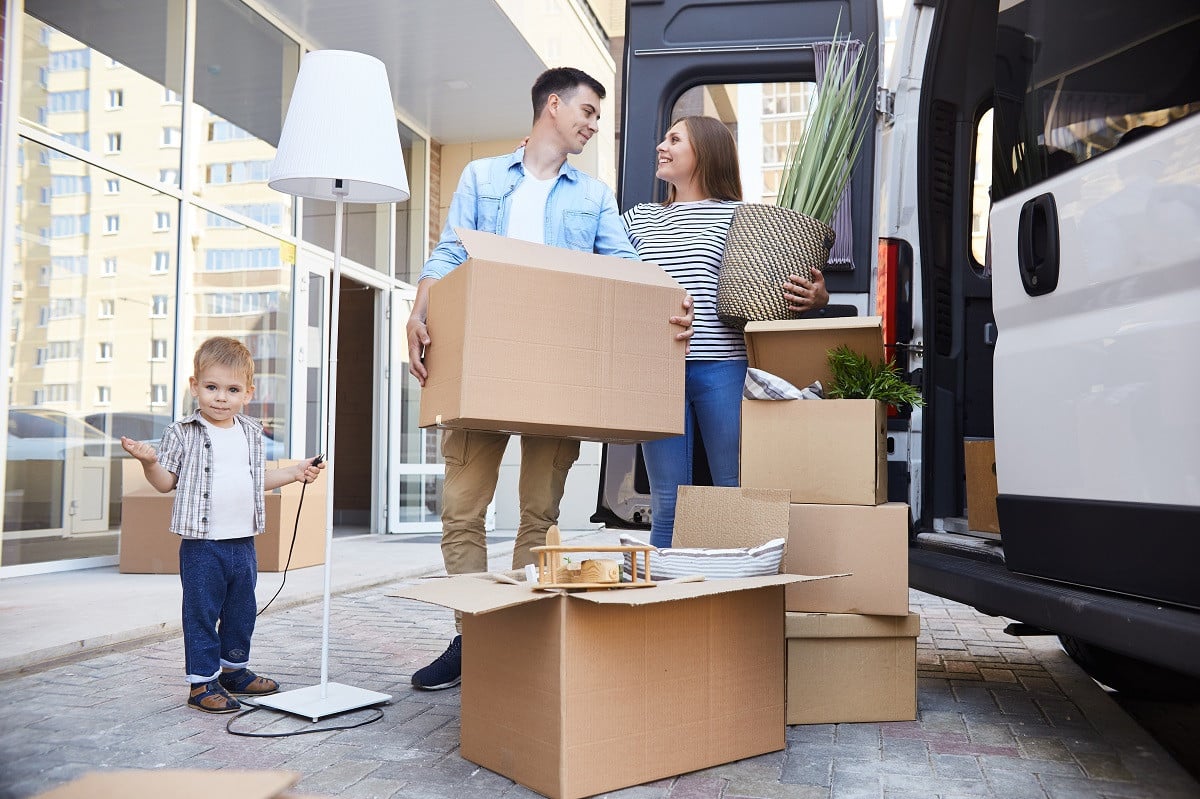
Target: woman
685 236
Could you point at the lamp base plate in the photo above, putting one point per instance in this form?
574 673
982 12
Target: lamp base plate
318 701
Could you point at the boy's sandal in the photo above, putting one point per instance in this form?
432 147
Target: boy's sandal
246 682
213 699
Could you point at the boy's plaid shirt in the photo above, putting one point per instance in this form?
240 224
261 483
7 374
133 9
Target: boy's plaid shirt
185 451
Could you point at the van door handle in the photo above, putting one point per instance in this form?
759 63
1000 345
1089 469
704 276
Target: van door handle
1037 245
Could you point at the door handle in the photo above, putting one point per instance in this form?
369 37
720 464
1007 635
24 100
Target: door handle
1037 245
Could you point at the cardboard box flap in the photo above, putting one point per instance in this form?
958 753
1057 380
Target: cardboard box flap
730 517
176 783
490 247
796 350
671 591
851 625
470 594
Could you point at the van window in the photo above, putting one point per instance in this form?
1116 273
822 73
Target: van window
981 188
1075 78
766 119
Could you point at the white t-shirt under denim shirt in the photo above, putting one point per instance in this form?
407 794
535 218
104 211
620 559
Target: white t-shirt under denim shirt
527 209
232 511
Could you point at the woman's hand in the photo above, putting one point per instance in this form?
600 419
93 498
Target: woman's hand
806 295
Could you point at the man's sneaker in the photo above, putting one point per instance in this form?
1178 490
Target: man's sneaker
445 672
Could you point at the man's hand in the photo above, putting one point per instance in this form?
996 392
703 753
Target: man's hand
418 340
139 449
685 321
306 472
418 333
805 295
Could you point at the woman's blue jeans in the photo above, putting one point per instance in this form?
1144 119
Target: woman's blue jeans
219 607
713 399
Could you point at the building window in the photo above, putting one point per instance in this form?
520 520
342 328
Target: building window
158 349
105 352
108 309
169 176
114 142
170 137
65 102
69 60
171 97
103 395
110 266
112 223
66 225
116 98
238 172
68 265
231 260
54 392
162 220
158 394
162 262
112 186
226 131
158 306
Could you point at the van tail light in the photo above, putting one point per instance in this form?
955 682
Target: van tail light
887 289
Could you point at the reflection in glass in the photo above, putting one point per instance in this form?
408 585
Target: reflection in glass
89 303
243 284
245 68
107 96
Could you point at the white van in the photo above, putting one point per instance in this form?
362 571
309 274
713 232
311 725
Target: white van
1064 132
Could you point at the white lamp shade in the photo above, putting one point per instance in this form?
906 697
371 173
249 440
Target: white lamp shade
341 125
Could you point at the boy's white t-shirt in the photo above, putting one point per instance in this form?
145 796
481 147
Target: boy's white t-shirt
527 209
231 506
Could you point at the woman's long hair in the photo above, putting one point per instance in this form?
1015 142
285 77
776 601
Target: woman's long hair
716 158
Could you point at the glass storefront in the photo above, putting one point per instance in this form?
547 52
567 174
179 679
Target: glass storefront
143 224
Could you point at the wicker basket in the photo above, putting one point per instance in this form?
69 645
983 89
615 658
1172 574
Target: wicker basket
765 244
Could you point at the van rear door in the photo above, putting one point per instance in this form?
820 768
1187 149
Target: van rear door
751 64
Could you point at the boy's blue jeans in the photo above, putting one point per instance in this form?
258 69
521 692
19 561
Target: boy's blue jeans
713 398
219 608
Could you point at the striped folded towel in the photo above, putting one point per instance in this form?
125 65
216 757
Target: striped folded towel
762 385
666 564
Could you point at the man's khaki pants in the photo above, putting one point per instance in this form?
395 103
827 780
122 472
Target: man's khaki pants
472 470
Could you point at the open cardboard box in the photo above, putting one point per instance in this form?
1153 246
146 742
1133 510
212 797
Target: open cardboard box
824 451
540 340
147 545
178 784
577 694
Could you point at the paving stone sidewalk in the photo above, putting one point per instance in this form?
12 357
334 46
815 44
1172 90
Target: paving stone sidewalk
999 717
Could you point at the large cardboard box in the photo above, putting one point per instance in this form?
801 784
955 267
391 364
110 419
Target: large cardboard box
979 456
542 340
845 667
177 784
868 542
824 451
572 695
147 545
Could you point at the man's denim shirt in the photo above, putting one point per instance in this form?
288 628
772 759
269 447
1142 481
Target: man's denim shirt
581 212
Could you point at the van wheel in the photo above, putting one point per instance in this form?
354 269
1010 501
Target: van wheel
1130 676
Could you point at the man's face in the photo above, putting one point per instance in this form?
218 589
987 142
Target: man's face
577 117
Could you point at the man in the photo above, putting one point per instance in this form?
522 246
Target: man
535 195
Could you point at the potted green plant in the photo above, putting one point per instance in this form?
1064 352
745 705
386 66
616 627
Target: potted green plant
856 376
767 243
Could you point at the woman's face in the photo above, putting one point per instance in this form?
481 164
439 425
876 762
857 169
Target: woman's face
676 158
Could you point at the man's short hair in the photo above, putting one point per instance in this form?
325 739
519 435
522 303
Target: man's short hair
227 352
562 81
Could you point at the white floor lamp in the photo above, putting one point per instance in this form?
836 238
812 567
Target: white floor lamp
339 143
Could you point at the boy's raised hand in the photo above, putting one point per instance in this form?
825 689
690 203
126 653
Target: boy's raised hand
139 449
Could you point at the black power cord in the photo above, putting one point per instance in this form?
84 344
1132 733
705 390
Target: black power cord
292 546
377 714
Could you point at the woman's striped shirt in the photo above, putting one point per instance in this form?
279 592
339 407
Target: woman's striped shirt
687 240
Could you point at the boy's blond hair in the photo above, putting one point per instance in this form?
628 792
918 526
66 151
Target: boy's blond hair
227 352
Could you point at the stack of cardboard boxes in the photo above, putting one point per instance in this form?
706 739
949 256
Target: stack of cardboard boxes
851 642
